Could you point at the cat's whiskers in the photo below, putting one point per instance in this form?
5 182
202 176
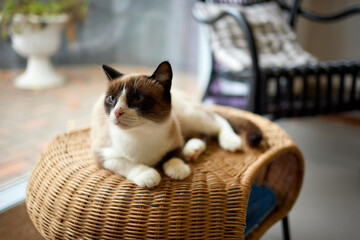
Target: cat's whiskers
130 118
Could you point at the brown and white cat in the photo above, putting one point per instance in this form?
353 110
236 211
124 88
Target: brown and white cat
138 121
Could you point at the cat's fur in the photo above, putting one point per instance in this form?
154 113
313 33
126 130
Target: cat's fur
138 121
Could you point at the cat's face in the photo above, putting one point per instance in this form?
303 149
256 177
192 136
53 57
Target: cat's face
133 100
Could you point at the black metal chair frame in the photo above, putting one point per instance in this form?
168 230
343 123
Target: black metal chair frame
285 103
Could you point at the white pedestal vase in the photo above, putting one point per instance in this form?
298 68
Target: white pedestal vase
38 43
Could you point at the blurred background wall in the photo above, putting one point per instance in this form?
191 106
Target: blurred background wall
128 32
146 32
327 41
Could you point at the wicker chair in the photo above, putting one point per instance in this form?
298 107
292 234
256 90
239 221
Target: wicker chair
69 196
284 100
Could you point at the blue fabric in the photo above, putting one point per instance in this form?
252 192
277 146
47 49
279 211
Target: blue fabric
261 202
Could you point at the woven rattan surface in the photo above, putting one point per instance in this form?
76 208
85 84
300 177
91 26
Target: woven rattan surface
68 196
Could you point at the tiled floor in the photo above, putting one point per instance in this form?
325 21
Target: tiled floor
328 206
30 119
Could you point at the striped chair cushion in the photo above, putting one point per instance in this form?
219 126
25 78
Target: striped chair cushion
276 43
288 3
241 2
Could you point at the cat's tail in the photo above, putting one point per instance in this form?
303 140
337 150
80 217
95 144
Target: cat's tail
248 129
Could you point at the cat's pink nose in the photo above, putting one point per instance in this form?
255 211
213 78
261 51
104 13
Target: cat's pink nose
118 112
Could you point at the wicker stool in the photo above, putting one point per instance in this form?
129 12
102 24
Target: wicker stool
68 196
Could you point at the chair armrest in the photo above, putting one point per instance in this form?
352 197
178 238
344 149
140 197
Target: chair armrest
296 9
329 17
240 19
243 23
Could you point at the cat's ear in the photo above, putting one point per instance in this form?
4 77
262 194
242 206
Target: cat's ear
111 73
163 75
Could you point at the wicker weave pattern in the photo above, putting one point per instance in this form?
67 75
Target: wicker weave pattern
69 196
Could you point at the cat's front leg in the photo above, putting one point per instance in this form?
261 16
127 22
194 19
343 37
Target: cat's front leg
140 174
176 169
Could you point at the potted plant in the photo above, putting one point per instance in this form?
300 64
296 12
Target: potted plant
35 28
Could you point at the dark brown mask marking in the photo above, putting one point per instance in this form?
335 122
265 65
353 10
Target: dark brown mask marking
148 95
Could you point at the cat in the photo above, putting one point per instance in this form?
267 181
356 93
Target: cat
139 121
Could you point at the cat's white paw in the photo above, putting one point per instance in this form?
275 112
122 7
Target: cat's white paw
230 141
108 153
111 164
147 178
176 169
193 148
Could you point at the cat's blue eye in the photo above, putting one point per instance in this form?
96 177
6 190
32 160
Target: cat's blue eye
138 97
111 99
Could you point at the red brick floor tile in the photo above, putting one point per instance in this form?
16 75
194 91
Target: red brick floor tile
13 168
41 146
34 123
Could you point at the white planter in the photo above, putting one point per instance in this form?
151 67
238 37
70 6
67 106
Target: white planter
38 43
